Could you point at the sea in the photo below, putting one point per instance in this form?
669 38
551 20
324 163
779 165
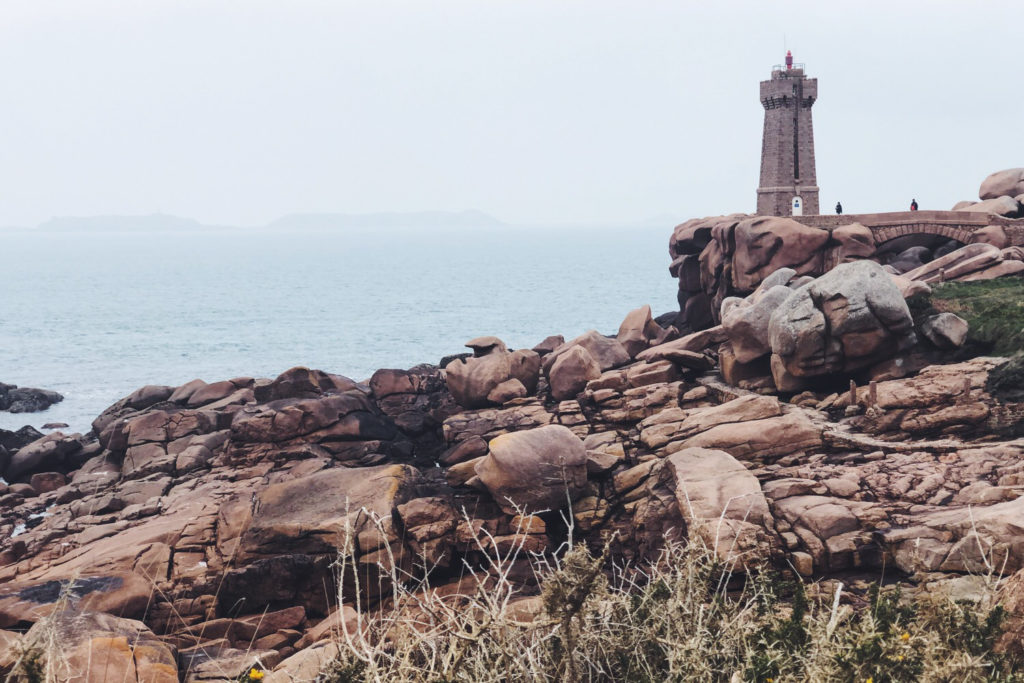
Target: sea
94 315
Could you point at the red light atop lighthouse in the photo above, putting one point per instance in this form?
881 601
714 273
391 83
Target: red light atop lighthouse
789 59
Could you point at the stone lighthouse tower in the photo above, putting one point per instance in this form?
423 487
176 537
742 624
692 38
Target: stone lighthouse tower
789 186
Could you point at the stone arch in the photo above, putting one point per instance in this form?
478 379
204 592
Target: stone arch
886 233
938 238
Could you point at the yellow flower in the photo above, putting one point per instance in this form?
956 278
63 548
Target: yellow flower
905 636
870 680
255 674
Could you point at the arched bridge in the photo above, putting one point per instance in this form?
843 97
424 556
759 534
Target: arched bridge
957 225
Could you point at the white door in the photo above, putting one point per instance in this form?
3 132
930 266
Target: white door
798 207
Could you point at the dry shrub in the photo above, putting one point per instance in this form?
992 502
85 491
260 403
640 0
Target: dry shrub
41 658
686 618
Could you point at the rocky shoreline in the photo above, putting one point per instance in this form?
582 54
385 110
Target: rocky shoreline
815 422
192 507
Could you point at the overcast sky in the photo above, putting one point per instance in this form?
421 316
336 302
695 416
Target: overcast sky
536 111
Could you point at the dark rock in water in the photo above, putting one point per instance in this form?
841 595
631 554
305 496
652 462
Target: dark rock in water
12 441
55 425
26 400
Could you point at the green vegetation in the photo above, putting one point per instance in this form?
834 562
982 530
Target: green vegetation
994 309
1006 381
688 618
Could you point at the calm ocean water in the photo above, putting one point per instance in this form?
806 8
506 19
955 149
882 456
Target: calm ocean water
95 316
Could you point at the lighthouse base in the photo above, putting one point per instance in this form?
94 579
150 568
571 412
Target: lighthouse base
780 201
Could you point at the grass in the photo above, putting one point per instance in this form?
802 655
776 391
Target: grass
688 618
41 655
1006 381
994 310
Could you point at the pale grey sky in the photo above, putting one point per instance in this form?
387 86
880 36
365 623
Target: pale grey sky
536 111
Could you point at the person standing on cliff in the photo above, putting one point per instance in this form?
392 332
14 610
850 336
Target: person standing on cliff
839 209
913 205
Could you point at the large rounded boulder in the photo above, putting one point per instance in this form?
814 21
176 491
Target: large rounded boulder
764 244
849 318
745 321
608 352
639 331
87 647
570 373
723 505
534 470
694 251
493 374
1000 206
1008 183
852 242
744 251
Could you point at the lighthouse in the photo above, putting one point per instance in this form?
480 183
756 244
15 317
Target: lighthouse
789 185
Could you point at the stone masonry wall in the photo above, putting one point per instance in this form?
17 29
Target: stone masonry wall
787 99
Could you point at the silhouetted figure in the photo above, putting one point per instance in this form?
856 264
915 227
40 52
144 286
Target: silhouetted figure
913 205
839 209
